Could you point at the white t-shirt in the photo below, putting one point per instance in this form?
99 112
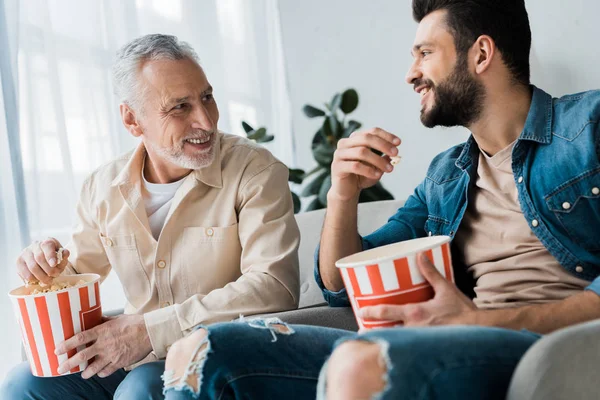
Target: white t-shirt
157 200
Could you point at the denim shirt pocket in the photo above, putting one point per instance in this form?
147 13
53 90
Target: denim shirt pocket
576 204
435 226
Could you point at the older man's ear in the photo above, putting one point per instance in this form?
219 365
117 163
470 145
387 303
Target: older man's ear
130 121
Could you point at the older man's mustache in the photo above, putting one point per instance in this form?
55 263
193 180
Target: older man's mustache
200 135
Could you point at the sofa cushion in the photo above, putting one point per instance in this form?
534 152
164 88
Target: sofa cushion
370 217
329 317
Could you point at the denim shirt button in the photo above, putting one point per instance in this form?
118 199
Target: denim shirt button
579 269
535 223
596 191
566 205
520 180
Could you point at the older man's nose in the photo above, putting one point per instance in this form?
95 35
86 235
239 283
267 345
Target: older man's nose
202 119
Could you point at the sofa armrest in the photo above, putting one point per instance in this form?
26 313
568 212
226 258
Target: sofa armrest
325 316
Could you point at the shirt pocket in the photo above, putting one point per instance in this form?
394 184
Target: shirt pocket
576 204
211 258
124 258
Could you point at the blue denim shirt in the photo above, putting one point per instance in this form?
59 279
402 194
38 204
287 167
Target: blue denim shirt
555 161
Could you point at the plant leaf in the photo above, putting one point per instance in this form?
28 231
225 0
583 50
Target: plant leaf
326 130
352 126
312 112
322 196
312 187
296 175
297 203
257 134
266 139
335 103
335 126
313 171
315 205
247 127
377 192
323 154
349 101
318 138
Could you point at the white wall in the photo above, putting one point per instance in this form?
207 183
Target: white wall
334 44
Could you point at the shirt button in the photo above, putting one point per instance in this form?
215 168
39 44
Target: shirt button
210 232
165 304
162 264
520 180
579 269
535 223
596 191
430 233
566 205
108 242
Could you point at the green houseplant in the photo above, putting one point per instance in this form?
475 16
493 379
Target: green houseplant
334 126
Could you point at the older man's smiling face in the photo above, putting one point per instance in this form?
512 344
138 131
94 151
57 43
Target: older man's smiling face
180 115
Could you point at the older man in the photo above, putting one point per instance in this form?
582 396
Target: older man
197 224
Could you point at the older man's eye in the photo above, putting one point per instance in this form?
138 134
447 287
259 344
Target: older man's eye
180 106
208 97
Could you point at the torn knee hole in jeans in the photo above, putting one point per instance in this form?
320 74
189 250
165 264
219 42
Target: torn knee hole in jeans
191 379
386 364
384 361
274 325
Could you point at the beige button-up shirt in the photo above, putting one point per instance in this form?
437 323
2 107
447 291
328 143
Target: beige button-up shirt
229 245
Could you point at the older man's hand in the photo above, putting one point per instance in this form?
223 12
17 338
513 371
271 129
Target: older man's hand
116 343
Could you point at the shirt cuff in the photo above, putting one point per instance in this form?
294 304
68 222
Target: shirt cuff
334 299
163 329
594 286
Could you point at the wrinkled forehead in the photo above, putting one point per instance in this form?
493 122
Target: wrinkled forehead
169 79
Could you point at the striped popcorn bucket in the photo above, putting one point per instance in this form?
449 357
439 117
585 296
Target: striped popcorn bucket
48 319
389 275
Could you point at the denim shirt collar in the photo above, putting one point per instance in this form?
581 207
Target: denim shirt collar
538 126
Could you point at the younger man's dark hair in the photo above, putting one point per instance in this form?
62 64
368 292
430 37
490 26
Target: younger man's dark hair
505 21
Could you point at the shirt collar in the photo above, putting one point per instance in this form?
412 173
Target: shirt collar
538 126
210 175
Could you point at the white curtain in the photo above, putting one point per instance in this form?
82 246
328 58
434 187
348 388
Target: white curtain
59 119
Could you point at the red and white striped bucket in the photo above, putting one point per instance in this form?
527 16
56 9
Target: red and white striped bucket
389 275
48 319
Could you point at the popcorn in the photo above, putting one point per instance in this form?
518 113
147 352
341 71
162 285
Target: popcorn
395 160
59 256
37 288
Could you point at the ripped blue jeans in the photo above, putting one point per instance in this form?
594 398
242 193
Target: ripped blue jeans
270 360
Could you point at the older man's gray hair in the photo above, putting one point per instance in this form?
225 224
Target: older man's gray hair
145 48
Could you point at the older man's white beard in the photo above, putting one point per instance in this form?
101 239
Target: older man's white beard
177 156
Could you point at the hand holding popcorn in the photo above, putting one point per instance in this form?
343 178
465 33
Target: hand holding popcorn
41 262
